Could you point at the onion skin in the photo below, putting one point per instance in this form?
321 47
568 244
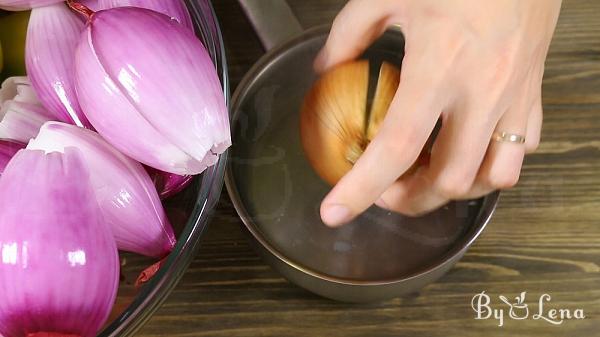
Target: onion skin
333 119
18 89
125 193
335 126
167 115
387 84
21 121
59 270
21 113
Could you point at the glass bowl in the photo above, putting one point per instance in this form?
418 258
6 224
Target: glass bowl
188 211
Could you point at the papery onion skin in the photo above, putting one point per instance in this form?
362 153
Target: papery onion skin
336 123
19 89
59 271
124 190
8 149
52 37
21 121
21 113
170 115
22 5
333 120
173 8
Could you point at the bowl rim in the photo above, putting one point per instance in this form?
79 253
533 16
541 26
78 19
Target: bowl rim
488 204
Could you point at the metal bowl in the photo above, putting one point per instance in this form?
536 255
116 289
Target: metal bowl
275 191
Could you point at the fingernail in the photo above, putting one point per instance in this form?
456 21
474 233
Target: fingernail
336 215
321 60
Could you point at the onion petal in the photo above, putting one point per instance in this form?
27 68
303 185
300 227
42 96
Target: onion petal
21 121
173 184
173 8
125 192
52 37
22 5
168 184
8 149
94 5
59 271
148 86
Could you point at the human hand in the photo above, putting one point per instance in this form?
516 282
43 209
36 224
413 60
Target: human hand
477 65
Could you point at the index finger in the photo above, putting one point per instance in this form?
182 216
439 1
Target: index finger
410 120
358 24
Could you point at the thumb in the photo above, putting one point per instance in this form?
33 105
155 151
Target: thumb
355 28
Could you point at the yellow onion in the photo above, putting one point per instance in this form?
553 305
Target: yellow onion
338 120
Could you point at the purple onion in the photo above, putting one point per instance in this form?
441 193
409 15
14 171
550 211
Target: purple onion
8 149
169 184
59 271
173 8
52 36
22 5
91 4
148 86
124 190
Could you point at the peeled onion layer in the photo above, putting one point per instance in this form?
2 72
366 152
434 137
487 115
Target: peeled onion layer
22 5
126 194
149 87
59 270
173 8
52 36
8 149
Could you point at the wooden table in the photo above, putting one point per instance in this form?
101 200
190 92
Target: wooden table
544 238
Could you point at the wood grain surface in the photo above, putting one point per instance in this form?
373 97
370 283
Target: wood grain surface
544 237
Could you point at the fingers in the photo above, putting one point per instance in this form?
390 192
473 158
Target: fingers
354 29
534 127
412 116
534 124
502 165
455 160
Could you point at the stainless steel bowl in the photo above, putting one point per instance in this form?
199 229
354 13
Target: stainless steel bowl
380 255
